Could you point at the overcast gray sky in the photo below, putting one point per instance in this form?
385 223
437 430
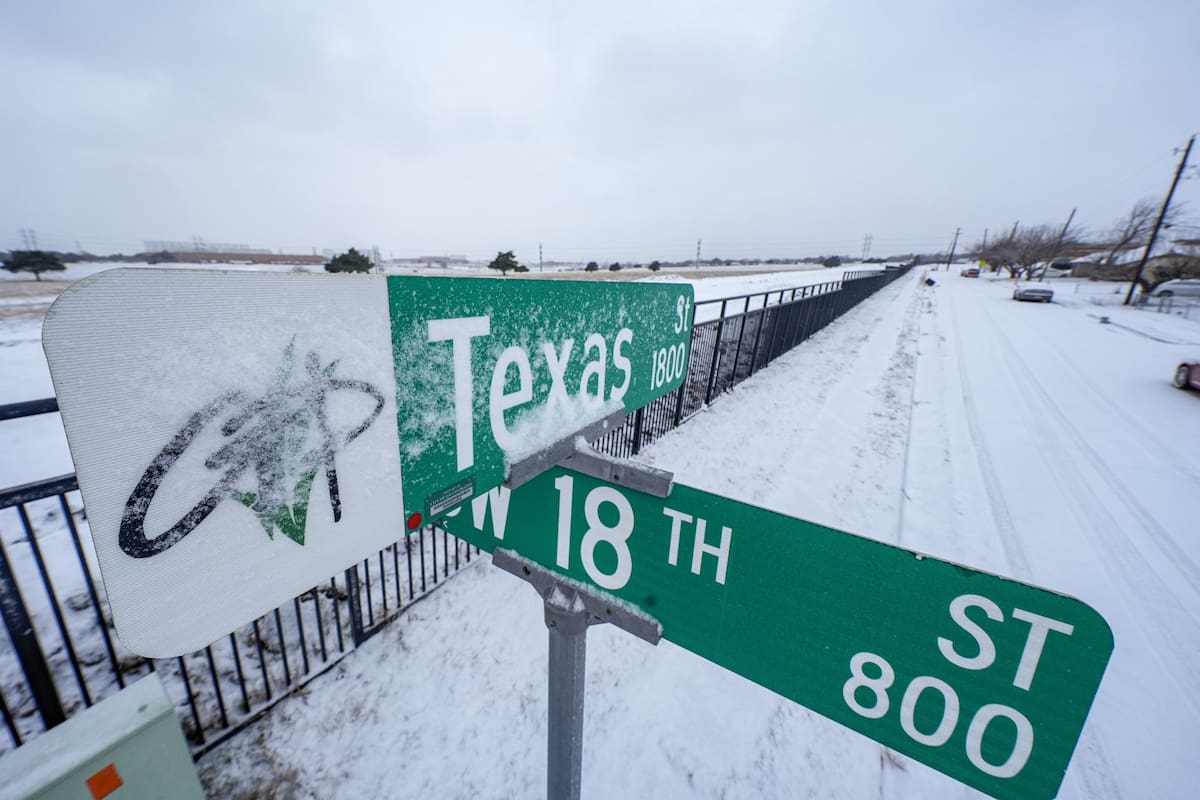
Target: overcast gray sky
614 130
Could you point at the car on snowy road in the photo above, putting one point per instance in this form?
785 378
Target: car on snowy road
1037 294
970 272
1183 287
1187 375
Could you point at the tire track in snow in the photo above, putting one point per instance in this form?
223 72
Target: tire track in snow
1097 774
1147 437
1042 399
1095 768
1014 553
1160 608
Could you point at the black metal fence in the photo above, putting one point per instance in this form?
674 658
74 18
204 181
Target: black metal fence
65 657
746 333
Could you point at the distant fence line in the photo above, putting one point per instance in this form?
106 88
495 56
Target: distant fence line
64 656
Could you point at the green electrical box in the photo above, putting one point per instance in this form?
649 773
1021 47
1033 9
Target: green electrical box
127 746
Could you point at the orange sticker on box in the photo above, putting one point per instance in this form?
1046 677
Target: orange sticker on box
104 782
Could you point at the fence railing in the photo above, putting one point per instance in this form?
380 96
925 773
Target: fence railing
747 333
64 655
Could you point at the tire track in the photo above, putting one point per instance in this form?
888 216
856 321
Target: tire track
1184 564
1160 609
1097 773
1014 553
1147 437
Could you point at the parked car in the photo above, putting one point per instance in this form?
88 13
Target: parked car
1037 294
970 272
1187 375
1182 287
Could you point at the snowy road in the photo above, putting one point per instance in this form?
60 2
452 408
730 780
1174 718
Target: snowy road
1087 465
1028 440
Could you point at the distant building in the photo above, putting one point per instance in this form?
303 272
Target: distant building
235 257
198 245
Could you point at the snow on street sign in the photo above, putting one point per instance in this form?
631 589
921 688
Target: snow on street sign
480 387
980 677
240 436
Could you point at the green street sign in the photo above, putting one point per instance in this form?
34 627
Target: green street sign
491 371
980 677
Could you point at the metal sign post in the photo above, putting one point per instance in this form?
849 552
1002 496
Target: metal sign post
570 608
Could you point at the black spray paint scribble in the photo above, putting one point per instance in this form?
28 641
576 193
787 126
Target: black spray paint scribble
257 431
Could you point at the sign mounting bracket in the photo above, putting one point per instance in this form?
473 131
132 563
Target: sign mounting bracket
620 471
561 594
528 468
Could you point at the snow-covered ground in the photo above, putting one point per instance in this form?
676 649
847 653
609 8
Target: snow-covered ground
1029 440
1024 439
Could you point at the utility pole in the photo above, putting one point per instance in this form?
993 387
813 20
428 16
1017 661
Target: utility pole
953 245
866 246
539 256
697 254
1158 223
1057 245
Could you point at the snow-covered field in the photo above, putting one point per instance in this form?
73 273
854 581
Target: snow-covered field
1035 441
1024 439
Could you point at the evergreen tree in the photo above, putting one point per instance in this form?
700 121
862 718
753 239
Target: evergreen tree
504 261
35 261
349 261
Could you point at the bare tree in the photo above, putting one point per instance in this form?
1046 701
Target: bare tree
993 252
1033 246
1133 230
1018 252
1168 268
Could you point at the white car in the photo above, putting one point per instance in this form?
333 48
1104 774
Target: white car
1182 287
1038 294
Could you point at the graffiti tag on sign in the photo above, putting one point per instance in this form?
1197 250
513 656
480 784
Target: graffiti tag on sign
275 443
